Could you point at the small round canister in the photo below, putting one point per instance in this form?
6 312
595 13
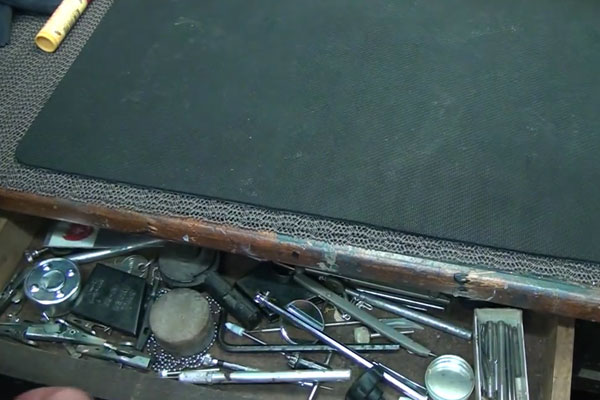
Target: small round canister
182 323
53 285
449 377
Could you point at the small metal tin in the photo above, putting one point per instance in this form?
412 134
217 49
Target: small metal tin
53 285
449 377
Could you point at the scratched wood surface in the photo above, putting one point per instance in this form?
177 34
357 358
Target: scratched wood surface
576 301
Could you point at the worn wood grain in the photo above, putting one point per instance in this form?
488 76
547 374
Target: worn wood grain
559 364
16 232
577 301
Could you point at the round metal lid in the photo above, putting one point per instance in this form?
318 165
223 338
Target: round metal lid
449 377
52 281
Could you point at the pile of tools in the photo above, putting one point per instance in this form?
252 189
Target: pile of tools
500 355
164 313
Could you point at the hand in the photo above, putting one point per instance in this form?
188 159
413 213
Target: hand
54 393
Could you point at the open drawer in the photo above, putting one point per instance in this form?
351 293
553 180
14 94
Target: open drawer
549 347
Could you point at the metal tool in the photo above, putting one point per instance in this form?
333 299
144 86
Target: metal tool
264 347
19 277
291 333
412 303
145 330
56 332
501 361
16 331
208 361
32 255
190 266
449 377
414 315
313 392
129 358
84 325
102 254
363 335
402 323
201 377
134 264
53 286
366 318
295 361
403 384
11 288
432 298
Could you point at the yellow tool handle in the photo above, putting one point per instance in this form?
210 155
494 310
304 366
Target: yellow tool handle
59 24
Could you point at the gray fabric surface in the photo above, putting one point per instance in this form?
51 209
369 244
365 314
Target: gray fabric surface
28 77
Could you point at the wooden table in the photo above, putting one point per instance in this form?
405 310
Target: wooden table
472 282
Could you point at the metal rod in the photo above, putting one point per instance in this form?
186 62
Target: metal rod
442 301
313 392
32 255
238 330
413 315
502 392
418 304
209 361
361 315
97 255
310 376
393 322
295 361
401 383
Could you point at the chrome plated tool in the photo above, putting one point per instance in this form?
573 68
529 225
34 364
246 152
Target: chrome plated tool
57 332
313 392
416 316
16 331
128 357
203 377
102 254
209 361
403 384
422 305
264 347
401 323
361 315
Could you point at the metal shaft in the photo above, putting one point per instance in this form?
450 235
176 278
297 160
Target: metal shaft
210 377
503 389
32 255
362 315
393 322
413 315
264 347
97 255
208 361
238 330
416 304
313 392
401 383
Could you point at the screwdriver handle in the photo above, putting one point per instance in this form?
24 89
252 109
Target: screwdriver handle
231 299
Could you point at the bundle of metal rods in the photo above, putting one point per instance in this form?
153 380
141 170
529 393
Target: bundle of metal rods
502 371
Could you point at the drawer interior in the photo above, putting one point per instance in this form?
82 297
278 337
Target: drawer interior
549 345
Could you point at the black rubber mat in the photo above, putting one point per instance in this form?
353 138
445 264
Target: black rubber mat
473 121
